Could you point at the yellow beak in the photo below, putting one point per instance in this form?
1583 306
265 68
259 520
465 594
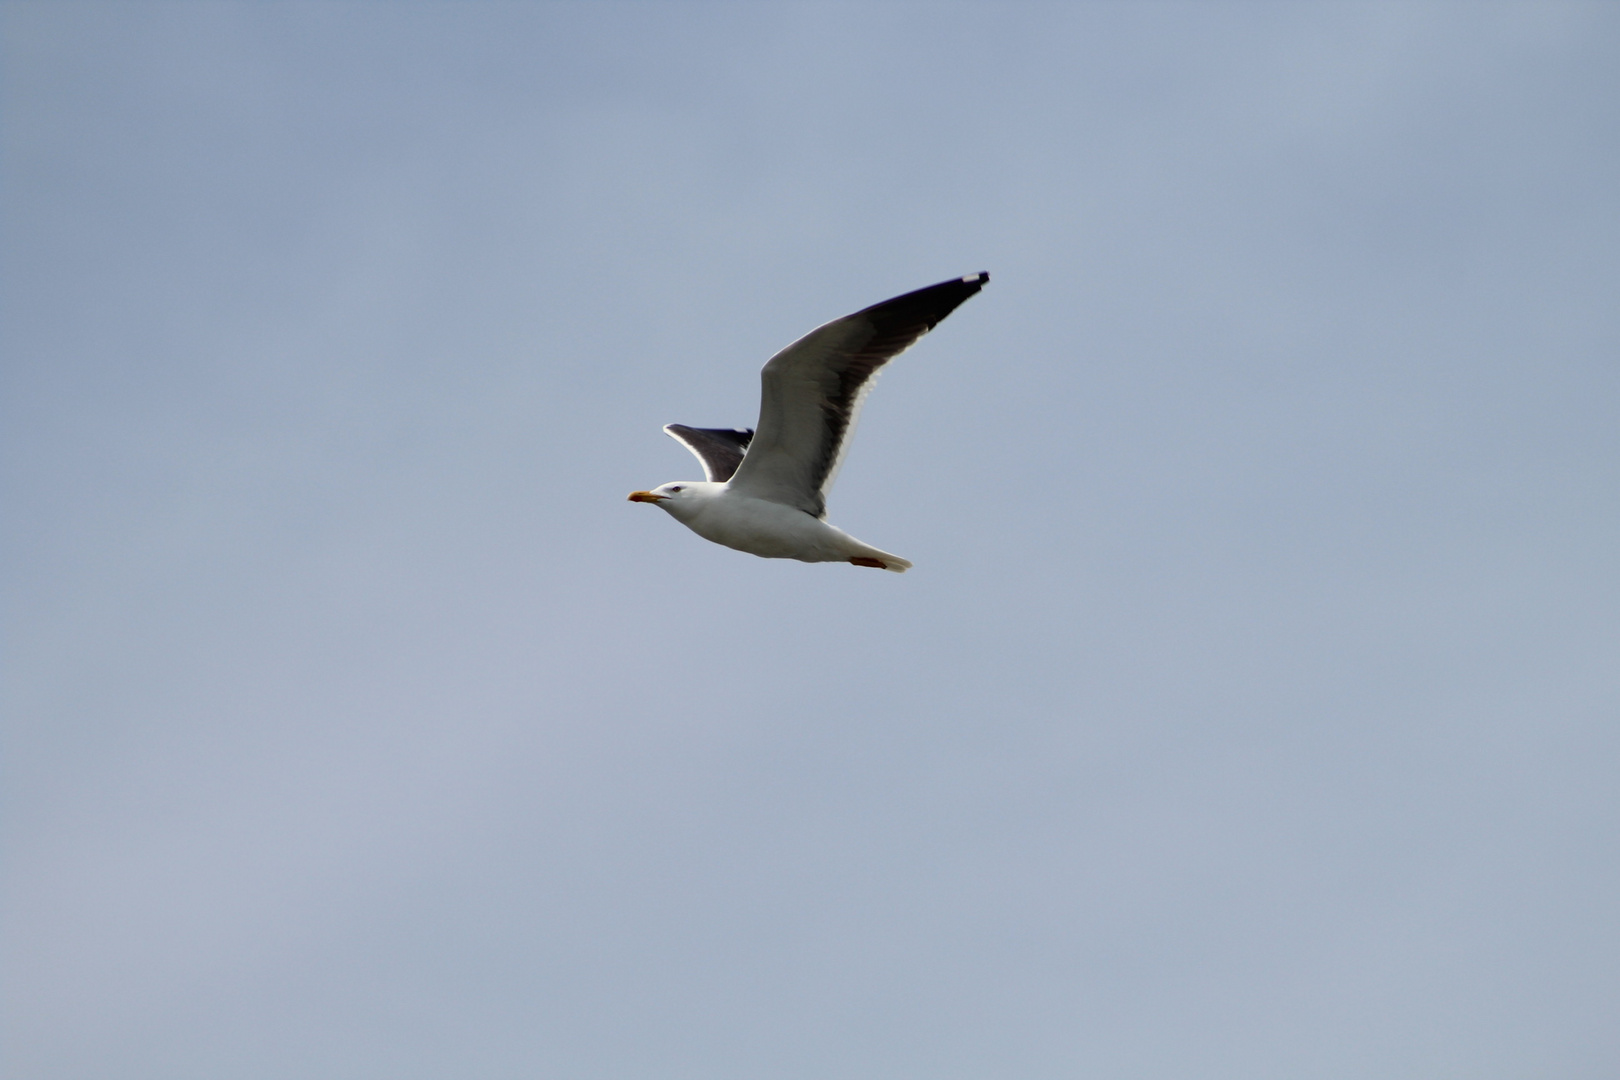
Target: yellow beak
645 496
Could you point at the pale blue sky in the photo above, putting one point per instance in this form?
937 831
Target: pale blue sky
1251 711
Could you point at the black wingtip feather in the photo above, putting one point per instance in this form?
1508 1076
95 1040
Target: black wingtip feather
925 308
720 450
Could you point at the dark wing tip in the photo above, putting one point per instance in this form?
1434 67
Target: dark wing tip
740 436
720 450
924 309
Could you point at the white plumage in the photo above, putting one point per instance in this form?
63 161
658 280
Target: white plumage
766 491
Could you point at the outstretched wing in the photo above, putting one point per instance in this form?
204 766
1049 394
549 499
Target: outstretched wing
813 390
720 449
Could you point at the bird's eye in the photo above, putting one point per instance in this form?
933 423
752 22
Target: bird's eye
675 488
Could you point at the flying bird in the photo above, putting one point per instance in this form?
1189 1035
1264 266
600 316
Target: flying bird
765 489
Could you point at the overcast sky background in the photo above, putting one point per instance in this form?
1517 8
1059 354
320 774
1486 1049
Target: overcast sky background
1251 711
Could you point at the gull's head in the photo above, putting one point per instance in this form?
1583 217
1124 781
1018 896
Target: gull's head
679 496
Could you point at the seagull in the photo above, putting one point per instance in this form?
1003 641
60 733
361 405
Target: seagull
765 490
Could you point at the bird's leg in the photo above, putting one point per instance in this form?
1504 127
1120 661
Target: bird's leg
862 560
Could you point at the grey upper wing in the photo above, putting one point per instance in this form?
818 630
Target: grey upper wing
812 392
720 449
